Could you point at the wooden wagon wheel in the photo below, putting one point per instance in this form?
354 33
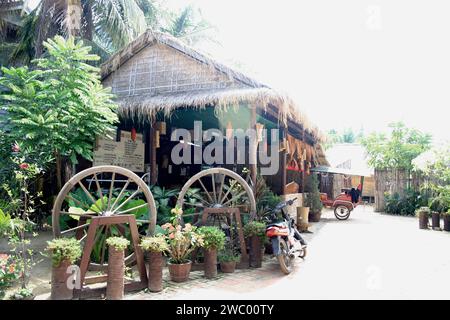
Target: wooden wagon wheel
123 192
218 188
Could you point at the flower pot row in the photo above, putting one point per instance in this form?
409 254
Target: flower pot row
424 214
176 241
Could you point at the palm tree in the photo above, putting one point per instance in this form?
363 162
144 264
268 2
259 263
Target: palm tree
105 25
110 24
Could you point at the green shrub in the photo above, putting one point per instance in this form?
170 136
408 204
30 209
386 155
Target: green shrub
405 205
119 243
255 228
154 244
64 249
213 237
228 255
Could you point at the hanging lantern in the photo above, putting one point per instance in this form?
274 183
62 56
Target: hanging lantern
133 134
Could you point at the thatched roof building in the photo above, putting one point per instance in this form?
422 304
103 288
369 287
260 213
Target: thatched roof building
159 78
156 72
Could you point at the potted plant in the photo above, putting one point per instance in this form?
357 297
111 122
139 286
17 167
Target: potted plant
228 260
213 240
423 213
255 232
155 247
312 199
116 267
64 252
181 242
446 218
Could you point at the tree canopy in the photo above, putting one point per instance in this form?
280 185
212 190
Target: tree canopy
397 149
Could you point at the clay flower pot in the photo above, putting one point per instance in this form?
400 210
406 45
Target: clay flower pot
255 252
446 219
210 265
228 267
423 220
155 271
179 272
60 290
436 220
116 269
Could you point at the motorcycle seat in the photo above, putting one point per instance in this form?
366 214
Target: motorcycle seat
277 224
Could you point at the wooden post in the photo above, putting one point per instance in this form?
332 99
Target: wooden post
253 147
283 157
304 169
153 169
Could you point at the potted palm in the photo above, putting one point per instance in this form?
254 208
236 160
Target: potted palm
181 240
312 200
213 240
64 252
116 267
423 214
228 260
155 247
255 232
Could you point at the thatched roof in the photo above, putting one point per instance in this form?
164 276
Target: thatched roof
203 81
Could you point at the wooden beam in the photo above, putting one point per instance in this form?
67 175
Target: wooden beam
153 169
283 157
253 147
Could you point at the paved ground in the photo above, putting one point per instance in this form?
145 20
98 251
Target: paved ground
370 256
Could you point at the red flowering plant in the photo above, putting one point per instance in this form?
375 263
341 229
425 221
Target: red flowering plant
181 240
8 272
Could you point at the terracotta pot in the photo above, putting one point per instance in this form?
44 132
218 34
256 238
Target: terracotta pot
116 269
255 252
423 220
155 271
228 267
210 263
60 289
179 272
302 218
436 220
314 216
446 219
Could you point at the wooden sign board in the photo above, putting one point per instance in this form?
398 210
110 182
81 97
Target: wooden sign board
125 153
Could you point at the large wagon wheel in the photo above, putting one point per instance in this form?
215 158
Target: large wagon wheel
115 191
217 188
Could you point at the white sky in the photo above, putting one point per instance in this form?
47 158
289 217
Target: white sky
349 63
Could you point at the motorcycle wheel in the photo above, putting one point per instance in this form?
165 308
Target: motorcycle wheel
303 253
286 262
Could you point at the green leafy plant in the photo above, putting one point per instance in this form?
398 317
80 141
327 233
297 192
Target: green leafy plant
154 244
423 210
119 243
59 106
255 228
213 237
228 255
64 249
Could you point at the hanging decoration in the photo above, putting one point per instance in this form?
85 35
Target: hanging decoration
161 127
133 134
259 131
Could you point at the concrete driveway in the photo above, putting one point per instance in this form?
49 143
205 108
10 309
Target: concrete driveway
369 256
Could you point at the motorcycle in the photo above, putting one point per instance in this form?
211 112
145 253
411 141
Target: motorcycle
286 240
